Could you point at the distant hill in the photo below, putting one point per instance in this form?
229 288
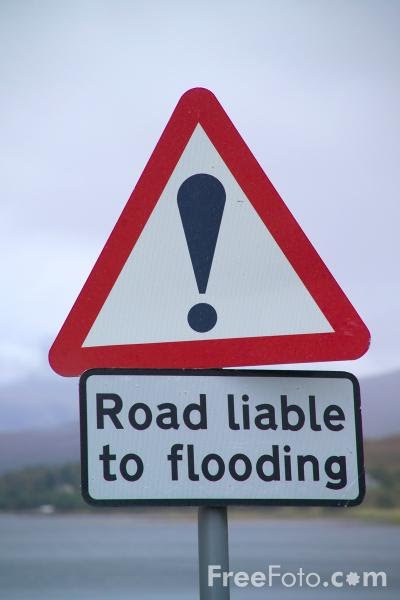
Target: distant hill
38 402
57 486
383 453
39 420
380 403
39 447
47 401
62 445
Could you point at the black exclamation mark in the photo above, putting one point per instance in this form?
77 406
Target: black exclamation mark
201 201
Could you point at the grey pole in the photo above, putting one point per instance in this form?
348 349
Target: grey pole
213 550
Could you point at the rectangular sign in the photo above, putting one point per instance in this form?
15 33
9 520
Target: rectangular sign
221 437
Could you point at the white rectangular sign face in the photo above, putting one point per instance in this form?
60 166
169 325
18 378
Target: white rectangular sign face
221 437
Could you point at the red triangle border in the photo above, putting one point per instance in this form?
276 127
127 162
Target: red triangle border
350 338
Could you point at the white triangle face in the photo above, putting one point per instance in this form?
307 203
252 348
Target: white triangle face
252 285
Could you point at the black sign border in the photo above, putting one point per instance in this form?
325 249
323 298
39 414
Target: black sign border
220 502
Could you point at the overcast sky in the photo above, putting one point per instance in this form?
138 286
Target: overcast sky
87 88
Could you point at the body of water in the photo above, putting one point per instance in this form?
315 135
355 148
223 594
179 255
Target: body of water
121 557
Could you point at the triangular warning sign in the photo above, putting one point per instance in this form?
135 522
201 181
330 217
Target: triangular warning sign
206 267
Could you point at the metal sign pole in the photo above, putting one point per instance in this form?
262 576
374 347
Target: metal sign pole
213 550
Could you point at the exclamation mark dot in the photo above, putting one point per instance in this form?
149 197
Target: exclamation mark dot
201 201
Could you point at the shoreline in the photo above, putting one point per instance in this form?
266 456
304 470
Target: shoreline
363 515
